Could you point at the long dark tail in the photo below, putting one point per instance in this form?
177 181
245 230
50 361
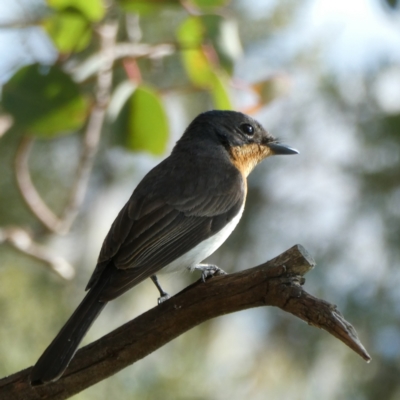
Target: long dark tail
57 356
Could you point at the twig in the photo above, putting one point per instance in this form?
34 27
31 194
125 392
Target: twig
275 283
6 122
88 68
136 50
21 240
62 225
28 190
107 33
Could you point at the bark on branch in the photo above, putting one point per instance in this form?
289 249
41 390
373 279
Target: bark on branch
278 283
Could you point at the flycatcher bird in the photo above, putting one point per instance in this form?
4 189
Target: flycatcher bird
178 215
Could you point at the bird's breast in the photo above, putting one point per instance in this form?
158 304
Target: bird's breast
205 248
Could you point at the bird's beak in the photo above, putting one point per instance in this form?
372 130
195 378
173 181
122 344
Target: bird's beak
279 148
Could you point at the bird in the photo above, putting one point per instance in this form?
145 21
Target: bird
176 217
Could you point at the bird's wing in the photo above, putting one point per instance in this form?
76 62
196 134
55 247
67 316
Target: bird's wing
159 224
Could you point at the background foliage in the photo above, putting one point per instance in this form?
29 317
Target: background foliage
96 92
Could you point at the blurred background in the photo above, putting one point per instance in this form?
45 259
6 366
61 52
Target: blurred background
95 93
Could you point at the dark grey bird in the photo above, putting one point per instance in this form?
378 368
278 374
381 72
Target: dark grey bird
178 215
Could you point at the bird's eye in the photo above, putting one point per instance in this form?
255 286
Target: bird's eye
247 129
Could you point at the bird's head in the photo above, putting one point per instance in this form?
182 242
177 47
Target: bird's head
245 139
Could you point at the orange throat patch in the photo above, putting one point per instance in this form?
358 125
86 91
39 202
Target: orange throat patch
246 157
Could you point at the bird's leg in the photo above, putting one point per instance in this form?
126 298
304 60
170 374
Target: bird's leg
208 270
163 295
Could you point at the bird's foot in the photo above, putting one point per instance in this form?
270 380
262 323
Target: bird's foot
163 298
209 270
163 295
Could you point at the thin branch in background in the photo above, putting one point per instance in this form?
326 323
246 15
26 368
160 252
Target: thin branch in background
136 50
275 283
6 122
133 30
107 33
21 240
87 68
28 190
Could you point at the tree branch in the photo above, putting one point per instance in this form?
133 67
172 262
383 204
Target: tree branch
275 283
22 241
107 33
28 190
61 225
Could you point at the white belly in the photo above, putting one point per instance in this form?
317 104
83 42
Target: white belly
204 249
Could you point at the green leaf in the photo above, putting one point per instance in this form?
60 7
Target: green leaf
219 33
200 61
209 3
224 35
144 7
45 101
93 10
191 32
190 36
69 30
219 93
198 67
148 123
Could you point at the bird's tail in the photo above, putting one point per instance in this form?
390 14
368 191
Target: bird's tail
59 353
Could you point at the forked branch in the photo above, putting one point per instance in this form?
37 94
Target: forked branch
91 139
278 283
